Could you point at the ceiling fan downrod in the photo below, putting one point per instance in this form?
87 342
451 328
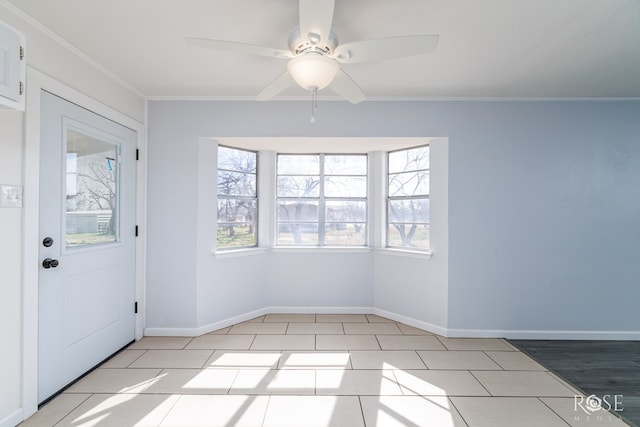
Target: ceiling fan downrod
314 104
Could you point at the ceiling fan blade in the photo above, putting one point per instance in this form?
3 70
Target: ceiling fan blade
347 88
239 47
316 17
386 48
279 84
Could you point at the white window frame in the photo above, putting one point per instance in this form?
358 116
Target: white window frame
389 199
253 198
322 199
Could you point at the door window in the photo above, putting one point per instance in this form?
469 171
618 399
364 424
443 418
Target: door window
92 175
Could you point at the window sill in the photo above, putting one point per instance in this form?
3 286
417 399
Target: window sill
405 253
234 253
322 249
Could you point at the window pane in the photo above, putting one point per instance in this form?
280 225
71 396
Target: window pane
237 216
326 187
352 234
294 164
345 186
236 210
296 210
236 160
298 186
414 236
91 190
236 223
345 165
409 160
346 211
236 183
409 184
406 211
298 234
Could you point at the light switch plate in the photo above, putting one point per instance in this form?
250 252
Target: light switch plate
10 196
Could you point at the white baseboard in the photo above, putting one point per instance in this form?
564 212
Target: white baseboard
545 335
195 332
439 330
436 329
321 310
12 419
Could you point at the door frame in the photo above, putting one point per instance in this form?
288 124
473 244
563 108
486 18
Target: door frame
38 81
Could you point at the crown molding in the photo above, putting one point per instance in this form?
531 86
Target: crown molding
70 47
399 99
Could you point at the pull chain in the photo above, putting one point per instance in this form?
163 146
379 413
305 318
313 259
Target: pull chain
314 104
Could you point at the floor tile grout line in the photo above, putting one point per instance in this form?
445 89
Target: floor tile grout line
252 341
400 386
563 382
73 409
266 410
364 420
422 360
442 342
480 382
494 360
457 410
170 409
204 365
233 382
378 341
188 342
133 361
539 398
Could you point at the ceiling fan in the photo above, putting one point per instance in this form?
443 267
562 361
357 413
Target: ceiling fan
315 54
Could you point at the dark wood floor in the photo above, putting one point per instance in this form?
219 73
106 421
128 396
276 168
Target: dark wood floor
595 367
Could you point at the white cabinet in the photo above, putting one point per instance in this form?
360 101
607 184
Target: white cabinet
12 68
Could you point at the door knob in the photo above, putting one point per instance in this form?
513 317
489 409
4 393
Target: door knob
50 263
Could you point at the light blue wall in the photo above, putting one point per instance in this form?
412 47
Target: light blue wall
225 287
544 206
171 224
320 280
545 217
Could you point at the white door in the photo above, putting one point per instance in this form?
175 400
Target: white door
87 242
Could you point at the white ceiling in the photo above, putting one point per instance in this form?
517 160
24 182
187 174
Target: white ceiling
488 48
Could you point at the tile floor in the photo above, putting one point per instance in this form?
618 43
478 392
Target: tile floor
319 370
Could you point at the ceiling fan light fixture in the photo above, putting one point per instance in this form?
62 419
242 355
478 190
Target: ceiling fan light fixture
313 71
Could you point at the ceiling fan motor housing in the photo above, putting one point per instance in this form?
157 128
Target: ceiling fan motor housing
299 43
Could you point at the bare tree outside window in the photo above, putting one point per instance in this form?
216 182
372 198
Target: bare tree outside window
322 199
408 198
237 216
91 190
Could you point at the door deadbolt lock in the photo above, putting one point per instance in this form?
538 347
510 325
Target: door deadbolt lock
50 263
47 242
